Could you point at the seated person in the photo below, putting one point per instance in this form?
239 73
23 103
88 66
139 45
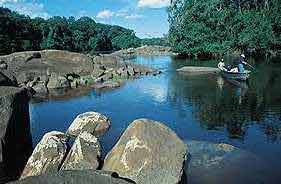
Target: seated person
240 63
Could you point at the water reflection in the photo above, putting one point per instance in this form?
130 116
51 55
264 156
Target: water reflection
219 103
202 107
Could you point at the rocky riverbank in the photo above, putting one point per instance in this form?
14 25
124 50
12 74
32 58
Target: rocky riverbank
48 70
147 152
145 51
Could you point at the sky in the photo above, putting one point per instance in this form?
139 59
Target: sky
148 18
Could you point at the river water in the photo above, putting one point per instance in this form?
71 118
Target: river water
204 108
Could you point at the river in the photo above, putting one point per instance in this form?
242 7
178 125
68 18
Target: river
205 107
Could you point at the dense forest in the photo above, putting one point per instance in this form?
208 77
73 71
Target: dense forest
155 41
21 33
216 27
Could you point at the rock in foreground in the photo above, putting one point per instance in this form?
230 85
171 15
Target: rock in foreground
84 154
74 177
47 155
148 153
15 137
91 122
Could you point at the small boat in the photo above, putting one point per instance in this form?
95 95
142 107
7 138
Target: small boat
233 74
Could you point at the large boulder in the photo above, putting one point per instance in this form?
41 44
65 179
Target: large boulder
84 154
47 155
91 122
15 137
148 153
74 177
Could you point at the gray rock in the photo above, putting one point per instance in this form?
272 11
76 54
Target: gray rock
108 75
74 177
198 70
84 154
7 81
107 85
47 155
56 82
4 66
51 61
91 122
98 71
131 71
15 136
148 152
40 87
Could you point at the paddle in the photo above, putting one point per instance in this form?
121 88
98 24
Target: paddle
251 66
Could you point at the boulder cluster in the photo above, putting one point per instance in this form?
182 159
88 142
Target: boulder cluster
146 50
147 152
48 70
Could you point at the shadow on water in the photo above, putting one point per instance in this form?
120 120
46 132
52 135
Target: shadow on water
220 103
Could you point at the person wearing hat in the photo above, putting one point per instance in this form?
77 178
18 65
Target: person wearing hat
240 63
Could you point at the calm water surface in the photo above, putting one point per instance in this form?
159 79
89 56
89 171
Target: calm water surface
208 108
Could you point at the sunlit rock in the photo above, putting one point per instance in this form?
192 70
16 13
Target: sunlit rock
148 153
91 122
84 154
47 155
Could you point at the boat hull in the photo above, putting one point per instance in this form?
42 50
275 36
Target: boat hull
236 76
233 75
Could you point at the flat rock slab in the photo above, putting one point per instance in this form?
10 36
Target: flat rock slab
75 177
84 154
222 163
148 153
198 70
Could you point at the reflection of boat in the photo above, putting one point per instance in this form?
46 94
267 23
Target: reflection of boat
233 74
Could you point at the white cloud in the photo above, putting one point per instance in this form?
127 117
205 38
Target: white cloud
133 16
153 3
124 13
7 1
31 9
105 14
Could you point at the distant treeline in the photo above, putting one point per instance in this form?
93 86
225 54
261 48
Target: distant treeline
21 33
155 41
216 27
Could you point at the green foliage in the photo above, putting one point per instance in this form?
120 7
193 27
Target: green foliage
155 41
125 40
20 33
215 27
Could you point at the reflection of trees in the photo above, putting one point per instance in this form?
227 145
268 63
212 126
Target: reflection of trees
217 108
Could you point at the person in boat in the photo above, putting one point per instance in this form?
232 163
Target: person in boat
240 63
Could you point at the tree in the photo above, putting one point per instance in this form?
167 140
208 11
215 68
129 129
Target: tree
20 33
216 27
